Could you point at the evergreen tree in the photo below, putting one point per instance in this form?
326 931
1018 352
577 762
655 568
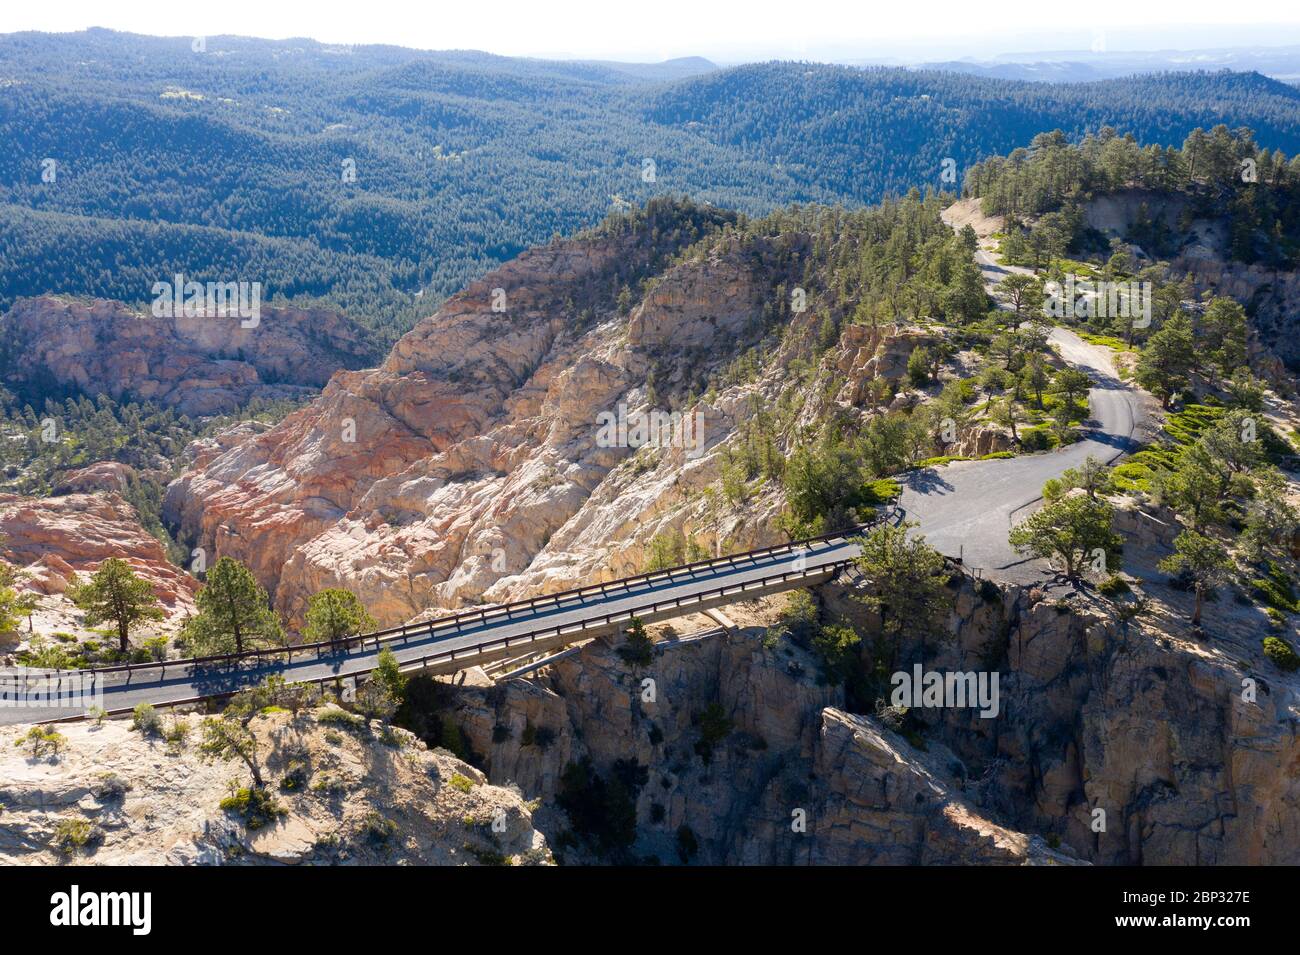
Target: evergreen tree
335 615
234 614
1072 530
114 594
1203 560
908 584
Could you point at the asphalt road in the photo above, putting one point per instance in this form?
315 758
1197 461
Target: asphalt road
966 508
180 681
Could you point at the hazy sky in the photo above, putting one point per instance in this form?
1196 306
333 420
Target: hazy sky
724 30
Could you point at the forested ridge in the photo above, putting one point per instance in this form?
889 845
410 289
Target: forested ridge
231 162
1222 174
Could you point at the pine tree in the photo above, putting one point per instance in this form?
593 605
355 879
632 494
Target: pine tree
334 615
1071 530
234 613
908 584
1203 559
114 594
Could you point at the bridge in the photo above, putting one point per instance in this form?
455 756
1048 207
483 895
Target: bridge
513 631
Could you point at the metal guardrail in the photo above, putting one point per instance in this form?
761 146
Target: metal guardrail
456 623
576 630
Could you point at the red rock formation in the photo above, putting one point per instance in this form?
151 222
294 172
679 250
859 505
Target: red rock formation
53 538
199 365
471 454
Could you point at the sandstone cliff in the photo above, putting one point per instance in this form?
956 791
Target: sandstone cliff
197 365
53 538
1136 718
471 465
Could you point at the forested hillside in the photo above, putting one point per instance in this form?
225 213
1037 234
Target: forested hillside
379 180
1223 175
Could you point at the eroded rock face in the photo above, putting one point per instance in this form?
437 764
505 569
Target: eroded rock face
359 798
197 365
1142 721
473 463
886 803
55 537
792 780
100 476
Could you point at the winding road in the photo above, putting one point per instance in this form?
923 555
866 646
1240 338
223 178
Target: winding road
966 508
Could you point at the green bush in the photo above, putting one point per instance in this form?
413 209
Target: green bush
1280 652
73 834
879 492
337 716
1113 586
146 719
1037 439
41 739
460 783
256 806
1274 590
714 728
378 827
295 776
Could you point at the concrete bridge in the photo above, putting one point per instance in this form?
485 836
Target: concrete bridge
520 630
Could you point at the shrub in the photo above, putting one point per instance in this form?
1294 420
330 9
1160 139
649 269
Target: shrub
714 728
1280 652
990 592
378 827
460 783
836 647
176 733
882 491
40 740
73 834
341 718
1113 586
110 786
487 856
601 811
146 719
256 806
295 776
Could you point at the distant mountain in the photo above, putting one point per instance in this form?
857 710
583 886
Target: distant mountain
1280 62
377 180
677 69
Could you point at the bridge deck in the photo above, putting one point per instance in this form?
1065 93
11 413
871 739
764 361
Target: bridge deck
463 640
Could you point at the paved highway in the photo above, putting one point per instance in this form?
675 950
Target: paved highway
456 647
966 508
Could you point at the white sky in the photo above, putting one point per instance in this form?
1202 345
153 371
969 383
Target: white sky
724 30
